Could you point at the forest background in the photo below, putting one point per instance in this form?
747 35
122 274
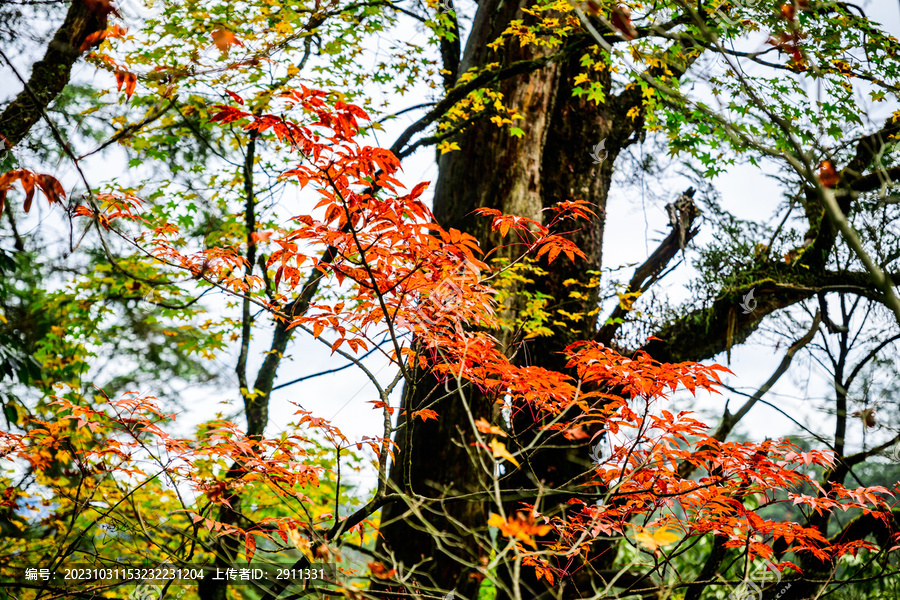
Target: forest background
773 103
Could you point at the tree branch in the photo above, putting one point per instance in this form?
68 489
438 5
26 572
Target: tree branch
51 74
703 333
459 92
648 273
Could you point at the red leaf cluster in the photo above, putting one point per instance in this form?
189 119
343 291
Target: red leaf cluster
49 185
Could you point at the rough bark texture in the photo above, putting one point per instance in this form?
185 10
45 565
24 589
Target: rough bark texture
491 169
568 172
51 74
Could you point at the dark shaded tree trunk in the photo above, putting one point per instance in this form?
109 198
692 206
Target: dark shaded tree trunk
552 162
491 169
51 74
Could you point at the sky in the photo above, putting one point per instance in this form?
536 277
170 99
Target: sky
635 223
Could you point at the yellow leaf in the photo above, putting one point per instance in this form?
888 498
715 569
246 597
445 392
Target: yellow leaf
496 520
300 543
446 147
626 300
485 427
284 27
656 539
499 450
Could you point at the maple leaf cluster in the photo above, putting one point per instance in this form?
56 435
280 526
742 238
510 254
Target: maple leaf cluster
427 289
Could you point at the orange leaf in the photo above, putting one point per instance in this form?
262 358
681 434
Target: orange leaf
130 84
250 546
787 12
223 39
485 427
867 416
113 32
827 174
235 97
51 187
425 414
380 571
521 526
657 539
28 180
544 572
128 80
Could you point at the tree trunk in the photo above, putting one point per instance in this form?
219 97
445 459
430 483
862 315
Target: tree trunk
552 162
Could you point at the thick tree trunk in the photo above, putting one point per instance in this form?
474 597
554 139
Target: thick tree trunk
550 163
491 169
569 171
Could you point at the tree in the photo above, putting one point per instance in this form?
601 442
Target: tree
529 165
571 100
365 220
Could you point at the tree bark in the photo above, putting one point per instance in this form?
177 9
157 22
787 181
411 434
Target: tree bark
491 169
